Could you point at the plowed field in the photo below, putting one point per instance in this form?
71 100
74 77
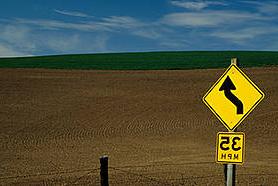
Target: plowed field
55 124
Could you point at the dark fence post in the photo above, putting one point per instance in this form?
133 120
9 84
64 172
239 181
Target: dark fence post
234 175
225 172
104 170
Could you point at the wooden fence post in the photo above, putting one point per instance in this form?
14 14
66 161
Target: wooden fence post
104 170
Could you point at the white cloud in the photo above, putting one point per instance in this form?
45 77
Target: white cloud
196 5
75 43
46 35
266 7
240 35
209 18
195 28
120 22
148 33
269 8
56 25
190 5
174 44
112 23
62 43
72 13
8 51
16 39
23 40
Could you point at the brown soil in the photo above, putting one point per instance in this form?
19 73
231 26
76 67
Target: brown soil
152 124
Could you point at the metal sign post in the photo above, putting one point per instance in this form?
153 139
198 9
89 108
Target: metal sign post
230 181
230 149
231 168
231 99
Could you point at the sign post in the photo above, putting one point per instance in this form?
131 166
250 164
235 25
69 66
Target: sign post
230 149
231 99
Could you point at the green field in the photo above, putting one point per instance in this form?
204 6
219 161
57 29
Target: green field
144 60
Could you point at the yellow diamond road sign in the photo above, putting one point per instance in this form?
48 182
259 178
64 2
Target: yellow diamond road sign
233 97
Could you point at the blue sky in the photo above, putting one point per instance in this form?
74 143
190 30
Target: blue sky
46 27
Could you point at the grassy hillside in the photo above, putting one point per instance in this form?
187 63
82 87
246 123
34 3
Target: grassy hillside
144 60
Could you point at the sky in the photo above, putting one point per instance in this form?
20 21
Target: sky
51 27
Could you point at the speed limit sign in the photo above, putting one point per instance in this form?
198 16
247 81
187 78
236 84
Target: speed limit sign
230 147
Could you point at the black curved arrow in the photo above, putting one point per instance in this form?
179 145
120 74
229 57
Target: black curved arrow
227 86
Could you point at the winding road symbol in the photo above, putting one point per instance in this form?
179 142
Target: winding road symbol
227 86
232 97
